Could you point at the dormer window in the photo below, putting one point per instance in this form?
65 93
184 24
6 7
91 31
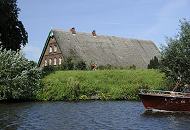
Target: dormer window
55 61
55 48
50 49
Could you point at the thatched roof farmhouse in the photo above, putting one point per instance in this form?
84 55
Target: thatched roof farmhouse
98 49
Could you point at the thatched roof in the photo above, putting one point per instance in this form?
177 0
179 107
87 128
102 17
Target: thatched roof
104 50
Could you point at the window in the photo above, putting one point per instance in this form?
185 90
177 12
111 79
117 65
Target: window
50 49
55 61
50 60
60 60
45 63
55 48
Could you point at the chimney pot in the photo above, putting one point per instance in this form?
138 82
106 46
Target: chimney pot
94 33
73 31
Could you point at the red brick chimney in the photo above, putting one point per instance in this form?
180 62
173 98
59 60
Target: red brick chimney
94 33
73 30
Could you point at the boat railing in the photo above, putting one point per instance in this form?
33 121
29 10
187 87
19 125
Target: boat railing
146 91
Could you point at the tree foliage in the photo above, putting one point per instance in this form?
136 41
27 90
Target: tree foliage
175 59
154 63
81 65
19 78
69 64
12 32
72 64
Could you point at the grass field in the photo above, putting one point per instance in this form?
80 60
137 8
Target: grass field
100 84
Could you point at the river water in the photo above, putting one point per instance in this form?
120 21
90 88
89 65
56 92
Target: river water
93 115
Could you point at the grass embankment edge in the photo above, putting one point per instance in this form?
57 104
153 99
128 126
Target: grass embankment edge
99 85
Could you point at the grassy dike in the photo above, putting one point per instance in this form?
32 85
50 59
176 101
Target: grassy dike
100 84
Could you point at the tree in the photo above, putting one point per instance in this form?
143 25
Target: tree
12 32
154 63
175 60
19 78
69 64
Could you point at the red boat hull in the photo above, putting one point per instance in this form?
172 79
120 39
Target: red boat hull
167 103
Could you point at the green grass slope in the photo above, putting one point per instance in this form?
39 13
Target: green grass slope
100 84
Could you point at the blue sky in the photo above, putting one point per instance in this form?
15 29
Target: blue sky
141 19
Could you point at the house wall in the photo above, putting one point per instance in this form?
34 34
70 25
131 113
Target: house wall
51 55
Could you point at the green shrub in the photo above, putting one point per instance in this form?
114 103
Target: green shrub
68 64
133 67
19 78
81 65
47 70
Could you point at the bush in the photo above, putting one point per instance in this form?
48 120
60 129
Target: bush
19 78
47 70
68 64
133 67
81 65
71 64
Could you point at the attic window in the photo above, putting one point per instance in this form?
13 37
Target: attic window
50 61
55 48
50 49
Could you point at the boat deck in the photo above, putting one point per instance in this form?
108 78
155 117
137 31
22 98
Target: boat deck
164 93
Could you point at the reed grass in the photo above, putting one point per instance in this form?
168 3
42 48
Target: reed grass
100 84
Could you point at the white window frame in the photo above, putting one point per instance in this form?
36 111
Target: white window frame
55 61
60 60
45 62
50 61
50 49
55 48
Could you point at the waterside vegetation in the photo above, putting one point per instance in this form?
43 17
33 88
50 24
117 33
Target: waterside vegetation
100 84
19 77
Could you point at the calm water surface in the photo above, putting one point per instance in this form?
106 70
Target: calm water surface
95 115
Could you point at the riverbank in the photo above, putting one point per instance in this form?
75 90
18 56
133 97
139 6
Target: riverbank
100 84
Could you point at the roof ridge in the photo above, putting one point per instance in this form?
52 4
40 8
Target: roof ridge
102 35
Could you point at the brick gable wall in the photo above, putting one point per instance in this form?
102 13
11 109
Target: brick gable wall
51 55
